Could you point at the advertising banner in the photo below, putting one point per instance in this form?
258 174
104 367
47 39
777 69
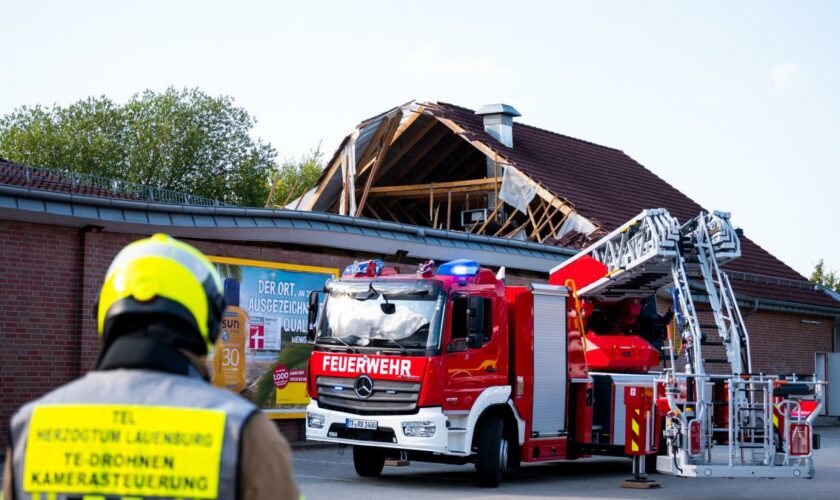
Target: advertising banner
262 351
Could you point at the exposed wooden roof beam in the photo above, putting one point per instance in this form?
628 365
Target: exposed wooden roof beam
416 157
402 149
441 187
429 166
387 140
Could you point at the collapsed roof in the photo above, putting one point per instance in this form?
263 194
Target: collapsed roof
448 167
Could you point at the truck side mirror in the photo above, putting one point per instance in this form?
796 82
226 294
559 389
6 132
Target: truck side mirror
458 345
475 340
313 316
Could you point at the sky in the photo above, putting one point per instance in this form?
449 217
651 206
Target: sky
736 104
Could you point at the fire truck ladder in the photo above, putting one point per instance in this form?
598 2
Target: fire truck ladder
637 255
653 250
707 241
712 241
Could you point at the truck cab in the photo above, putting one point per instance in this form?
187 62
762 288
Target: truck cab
410 363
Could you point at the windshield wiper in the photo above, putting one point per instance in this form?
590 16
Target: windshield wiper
403 349
349 347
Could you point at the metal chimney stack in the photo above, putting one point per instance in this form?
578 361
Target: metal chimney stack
498 121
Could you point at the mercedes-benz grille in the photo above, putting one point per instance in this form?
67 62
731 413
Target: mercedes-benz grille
387 396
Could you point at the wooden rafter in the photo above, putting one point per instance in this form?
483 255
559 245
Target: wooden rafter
507 221
423 189
374 212
478 144
406 214
375 143
449 211
404 148
488 219
325 180
387 140
388 211
416 156
432 163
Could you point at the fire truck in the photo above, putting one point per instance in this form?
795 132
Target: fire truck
451 365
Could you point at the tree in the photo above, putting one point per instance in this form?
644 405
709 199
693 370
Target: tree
827 279
296 177
184 140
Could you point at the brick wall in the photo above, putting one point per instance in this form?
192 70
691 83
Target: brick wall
785 343
51 277
781 343
51 288
40 330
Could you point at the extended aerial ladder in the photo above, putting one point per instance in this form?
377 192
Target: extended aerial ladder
653 250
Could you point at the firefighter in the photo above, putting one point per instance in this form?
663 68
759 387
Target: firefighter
146 422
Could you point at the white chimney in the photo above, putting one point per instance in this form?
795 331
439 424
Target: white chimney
498 121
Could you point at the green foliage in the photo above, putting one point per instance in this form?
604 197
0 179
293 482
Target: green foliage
182 140
825 278
294 357
296 177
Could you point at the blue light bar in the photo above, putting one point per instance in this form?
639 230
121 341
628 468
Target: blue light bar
460 267
367 267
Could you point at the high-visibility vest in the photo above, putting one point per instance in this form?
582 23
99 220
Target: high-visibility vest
129 434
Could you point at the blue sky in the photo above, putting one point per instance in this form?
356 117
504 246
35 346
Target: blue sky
737 104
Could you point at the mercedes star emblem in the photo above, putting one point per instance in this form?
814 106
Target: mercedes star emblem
363 386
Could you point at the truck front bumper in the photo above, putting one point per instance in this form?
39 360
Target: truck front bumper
389 429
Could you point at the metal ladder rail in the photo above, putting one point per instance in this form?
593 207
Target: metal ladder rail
724 316
740 326
688 315
652 234
747 412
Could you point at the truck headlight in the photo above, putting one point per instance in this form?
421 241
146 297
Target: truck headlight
425 429
315 420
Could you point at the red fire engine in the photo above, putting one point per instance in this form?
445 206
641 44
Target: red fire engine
452 365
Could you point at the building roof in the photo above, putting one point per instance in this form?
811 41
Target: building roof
60 181
595 180
315 229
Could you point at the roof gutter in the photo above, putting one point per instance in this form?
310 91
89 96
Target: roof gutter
312 229
776 305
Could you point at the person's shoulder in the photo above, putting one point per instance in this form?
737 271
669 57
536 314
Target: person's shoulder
261 435
47 398
224 396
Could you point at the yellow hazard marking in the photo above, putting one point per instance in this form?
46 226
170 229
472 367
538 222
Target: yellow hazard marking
633 445
635 426
124 450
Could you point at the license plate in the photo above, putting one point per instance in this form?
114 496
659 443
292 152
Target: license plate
354 423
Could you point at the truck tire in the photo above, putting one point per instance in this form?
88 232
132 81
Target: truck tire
492 453
368 461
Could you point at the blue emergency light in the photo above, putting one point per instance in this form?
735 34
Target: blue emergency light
367 267
460 267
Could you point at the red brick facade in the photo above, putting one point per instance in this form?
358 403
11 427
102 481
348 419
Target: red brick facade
51 277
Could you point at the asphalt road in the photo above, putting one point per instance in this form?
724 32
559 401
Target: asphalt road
324 473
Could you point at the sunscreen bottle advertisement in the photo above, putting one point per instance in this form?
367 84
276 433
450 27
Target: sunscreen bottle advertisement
229 355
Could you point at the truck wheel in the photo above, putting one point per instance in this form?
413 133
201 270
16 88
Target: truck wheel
492 453
368 461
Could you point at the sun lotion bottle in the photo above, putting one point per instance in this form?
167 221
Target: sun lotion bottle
229 355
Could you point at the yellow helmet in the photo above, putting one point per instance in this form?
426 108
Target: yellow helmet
161 277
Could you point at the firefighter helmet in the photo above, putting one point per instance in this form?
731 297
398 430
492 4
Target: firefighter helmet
161 277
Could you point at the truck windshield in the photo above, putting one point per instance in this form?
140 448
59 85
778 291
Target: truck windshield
391 314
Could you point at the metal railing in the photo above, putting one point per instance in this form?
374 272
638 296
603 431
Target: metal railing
96 185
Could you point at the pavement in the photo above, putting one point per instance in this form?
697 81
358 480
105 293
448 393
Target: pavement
324 473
